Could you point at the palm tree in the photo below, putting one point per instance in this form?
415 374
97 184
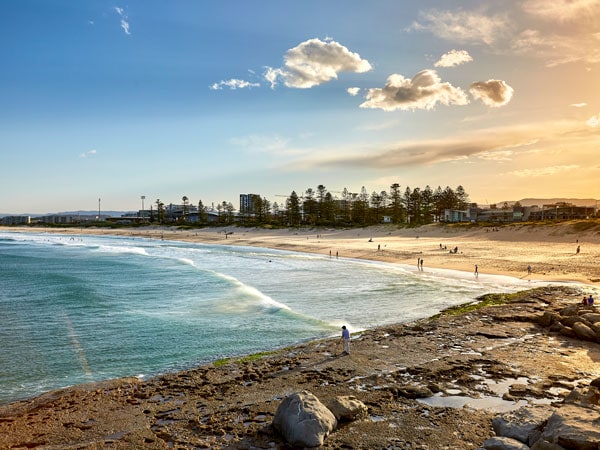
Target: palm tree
184 199
160 208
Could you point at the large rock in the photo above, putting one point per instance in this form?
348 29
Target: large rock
591 317
571 310
588 396
584 332
548 318
504 443
570 321
574 428
545 445
347 408
524 424
303 420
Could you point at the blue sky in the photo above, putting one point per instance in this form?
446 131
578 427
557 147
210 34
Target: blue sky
210 99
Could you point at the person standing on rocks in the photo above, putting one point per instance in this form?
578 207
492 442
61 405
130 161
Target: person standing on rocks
346 339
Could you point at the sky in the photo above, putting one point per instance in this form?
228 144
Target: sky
115 100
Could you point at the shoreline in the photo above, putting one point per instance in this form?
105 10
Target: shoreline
550 250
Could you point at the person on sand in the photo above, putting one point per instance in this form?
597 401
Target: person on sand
346 339
590 300
584 302
578 249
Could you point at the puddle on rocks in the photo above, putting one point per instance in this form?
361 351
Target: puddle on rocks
451 399
457 401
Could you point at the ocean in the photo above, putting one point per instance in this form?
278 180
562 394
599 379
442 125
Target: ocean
81 308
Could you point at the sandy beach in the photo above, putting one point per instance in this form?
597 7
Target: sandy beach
551 250
231 404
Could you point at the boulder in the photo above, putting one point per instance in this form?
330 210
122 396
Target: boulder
347 408
591 317
572 310
524 424
504 443
584 332
303 420
574 428
569 321
589 396
545 445
548 318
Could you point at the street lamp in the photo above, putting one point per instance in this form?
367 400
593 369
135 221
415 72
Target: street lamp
143 197
98 209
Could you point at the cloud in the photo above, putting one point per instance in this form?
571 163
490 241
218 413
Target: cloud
562 10
353 91
594 121
499 144
543 171
233 84
493 93
423 91
453 58
124 19
578 105
315 62
556 49
461 26
88 153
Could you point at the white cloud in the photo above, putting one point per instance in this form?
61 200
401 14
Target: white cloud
578 105
124 19
233 84
353 91
543 171
88 153
556 49
500 144
461 26
454 58
594 121
562 10
494 93
315 62
423 91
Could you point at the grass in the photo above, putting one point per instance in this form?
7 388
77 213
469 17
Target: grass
483 301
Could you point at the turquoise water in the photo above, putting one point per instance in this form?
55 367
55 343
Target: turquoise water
76 309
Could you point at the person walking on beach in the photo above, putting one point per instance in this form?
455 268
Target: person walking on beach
476 271
346 339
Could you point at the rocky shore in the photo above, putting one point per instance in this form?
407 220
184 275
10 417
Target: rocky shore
439 383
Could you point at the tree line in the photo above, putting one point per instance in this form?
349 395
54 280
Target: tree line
319 207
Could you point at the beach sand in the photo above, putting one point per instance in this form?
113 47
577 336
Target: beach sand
550 249
231 404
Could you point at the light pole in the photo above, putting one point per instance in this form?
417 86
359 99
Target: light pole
98 210
143 197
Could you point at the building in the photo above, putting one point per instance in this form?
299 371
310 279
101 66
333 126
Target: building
247 203
16 220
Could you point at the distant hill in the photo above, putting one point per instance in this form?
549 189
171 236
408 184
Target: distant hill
590 202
